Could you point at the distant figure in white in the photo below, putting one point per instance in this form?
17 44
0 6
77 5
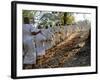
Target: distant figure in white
29 50
49 37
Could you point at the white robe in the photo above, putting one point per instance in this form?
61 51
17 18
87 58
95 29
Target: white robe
39 42
49 38
29 51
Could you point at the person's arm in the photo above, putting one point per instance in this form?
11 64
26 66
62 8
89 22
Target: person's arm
35 33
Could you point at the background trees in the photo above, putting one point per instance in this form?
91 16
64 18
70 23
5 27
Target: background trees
68 18
50 18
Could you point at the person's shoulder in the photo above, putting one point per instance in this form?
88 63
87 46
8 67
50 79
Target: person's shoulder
26 24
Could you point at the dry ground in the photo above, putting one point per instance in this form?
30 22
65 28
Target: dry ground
74 51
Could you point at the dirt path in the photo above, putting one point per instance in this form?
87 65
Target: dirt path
73 51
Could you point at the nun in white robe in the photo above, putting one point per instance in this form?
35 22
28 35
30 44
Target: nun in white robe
39 42
29 51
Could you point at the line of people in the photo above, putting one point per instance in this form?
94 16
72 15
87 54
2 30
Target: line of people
35 42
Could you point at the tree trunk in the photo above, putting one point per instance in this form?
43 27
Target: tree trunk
65 18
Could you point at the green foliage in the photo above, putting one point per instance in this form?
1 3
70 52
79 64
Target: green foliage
51 18
70 20
28 13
